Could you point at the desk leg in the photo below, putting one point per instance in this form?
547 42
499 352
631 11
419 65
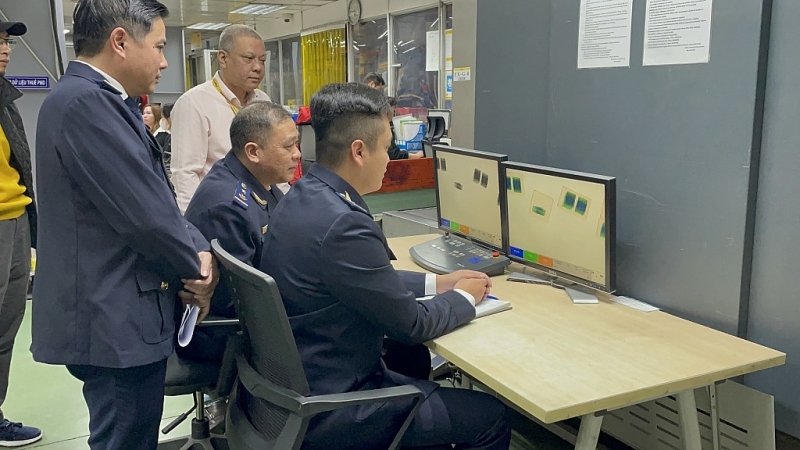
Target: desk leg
690 424
712 395
589 433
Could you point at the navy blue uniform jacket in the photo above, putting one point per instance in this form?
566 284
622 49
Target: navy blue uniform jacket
332 266
113 245
232 206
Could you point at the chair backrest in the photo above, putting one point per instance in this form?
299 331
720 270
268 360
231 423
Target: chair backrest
268 337
308 142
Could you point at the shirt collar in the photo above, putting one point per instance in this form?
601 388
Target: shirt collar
114 83
339 185
230 96
242 174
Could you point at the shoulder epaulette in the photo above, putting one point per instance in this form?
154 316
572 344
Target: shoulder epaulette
240 196
351 203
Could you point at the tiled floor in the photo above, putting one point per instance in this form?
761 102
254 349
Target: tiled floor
48 397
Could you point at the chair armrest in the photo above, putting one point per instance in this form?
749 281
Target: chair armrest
262 388
311 406
218 321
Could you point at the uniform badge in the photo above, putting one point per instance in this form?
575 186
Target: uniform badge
240 196
258 199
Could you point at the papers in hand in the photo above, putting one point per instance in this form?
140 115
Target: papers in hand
488 306
188 323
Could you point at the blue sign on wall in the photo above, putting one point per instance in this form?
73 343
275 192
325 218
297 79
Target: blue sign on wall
30 82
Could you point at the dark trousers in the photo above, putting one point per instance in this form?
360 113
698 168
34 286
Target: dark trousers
125 405
15 268
471 420
410 360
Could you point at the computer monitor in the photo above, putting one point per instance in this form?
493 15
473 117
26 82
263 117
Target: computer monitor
468 200
562 223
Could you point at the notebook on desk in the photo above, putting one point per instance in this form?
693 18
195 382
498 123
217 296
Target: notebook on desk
487 307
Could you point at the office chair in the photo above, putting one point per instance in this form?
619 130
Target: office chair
270 406
186 377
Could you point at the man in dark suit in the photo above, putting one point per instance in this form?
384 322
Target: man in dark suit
114 250
332 265
234 201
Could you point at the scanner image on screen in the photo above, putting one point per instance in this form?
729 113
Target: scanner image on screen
558 223
469 196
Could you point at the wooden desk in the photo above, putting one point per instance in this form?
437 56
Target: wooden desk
556 360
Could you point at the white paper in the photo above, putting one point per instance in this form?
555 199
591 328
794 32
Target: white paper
448 50
486 307
432 51
677 32
188 322
604 34
462 74
635 304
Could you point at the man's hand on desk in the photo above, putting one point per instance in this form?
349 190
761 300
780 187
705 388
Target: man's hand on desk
476 287
454 280
199 291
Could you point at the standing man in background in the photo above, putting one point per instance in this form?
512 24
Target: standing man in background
114 250
202 116
17 229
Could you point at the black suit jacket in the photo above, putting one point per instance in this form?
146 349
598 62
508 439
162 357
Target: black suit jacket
113 245
332 266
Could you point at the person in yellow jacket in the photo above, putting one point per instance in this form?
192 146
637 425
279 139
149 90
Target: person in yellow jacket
17 229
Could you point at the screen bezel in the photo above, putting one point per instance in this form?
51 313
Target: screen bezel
610 184
496 157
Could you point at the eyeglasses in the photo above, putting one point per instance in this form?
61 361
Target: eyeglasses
11 43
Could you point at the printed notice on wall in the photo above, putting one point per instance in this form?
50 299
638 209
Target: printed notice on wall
448 49
432 51
604 36
677 32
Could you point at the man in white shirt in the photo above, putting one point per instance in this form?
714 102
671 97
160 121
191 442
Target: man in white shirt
202 117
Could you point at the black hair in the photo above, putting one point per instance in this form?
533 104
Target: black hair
254 122
94 20
374 78
344 113
166 110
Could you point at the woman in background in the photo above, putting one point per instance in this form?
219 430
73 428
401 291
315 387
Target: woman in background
163 131
151 116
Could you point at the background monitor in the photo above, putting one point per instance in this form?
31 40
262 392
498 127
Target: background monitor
562 222
468 200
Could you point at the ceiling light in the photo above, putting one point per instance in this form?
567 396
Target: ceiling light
257 9
66 31
208 26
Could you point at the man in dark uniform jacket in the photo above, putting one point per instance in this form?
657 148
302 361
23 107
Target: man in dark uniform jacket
234 201
331 263
114 250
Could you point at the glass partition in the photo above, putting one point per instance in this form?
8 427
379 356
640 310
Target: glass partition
272 79
417 61
370 41
292 72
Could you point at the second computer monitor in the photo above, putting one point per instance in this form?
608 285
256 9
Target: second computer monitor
562 222
468 194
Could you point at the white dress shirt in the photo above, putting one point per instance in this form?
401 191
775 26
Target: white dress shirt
201 122
430 288
114 83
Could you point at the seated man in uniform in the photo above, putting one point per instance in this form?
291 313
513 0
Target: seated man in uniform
331 263
234 201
